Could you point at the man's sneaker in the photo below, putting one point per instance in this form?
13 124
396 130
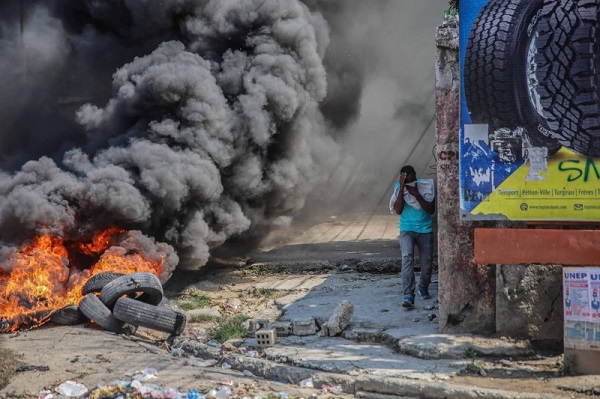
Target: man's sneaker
424 294
408 302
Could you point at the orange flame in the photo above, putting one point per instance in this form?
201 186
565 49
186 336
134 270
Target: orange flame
39 278
100 241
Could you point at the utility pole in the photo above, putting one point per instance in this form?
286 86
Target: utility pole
22 21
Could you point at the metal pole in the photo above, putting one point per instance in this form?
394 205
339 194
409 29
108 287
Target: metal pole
22 20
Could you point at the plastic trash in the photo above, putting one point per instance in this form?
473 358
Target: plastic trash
212 393
283 395
252 354
307 383
45 394
71 389
177 352
335 389
223 393
193 394
169 393
212 342
226 365
145 374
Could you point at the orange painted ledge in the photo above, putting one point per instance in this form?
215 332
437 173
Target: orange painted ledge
543 246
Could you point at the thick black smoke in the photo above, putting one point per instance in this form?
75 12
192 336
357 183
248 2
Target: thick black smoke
211 127
197 121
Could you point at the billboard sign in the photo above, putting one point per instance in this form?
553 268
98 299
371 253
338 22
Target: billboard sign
530 110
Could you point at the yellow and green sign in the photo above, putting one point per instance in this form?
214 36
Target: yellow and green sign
530 110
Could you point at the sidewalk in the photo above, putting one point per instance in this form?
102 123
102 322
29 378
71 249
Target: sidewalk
385 352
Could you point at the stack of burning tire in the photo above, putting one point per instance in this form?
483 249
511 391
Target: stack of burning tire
536 64
122 302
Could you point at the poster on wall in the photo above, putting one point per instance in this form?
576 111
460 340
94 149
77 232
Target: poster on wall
530 110
581 307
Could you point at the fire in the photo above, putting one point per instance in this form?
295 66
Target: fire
41 276
100 241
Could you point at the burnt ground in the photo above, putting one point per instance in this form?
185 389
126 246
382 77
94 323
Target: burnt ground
9 362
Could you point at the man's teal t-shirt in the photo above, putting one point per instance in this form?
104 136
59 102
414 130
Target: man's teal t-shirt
412 219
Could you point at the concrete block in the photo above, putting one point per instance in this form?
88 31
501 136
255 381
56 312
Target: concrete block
256 324
306 326
265 337
340 318
282 328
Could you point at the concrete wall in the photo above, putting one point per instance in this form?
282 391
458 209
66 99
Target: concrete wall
466 291
513 301
529 303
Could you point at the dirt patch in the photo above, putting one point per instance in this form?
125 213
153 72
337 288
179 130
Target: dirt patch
542 374
517 385
9 362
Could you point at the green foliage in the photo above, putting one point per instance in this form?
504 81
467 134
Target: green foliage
202 318
230 329
266 292
470 353
194 299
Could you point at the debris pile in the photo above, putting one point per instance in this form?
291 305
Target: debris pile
122 302
137 386
337 322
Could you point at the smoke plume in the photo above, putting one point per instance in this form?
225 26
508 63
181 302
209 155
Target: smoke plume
211 126
191 122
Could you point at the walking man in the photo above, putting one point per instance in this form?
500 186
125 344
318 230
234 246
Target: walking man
414 201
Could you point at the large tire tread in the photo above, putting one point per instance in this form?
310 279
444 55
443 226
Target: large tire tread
91 306
568 72
145 315
495 71
146 283
98 281
69 315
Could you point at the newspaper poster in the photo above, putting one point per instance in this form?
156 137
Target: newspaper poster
575 294
581 307
529 111
574 337
595 290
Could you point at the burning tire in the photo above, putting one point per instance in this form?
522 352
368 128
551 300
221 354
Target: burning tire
146 283
93 308
497 70
68 316
98 281
149 316
568 72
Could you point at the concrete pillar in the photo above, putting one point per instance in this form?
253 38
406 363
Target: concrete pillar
517 301
466 291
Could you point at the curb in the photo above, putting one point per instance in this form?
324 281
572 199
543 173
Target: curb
362 265
362 386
